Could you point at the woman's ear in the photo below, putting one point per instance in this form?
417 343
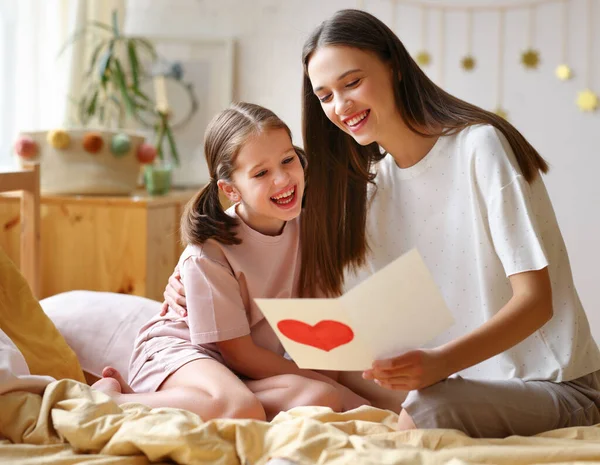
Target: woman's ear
229 190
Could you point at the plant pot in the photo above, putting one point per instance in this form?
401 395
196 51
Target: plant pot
71 165
158 177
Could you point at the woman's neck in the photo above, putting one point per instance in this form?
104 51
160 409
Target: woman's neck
406 146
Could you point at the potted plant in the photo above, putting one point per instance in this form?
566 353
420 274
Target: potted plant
113 98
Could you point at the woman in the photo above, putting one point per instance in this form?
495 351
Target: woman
395 163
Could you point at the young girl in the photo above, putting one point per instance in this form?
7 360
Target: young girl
462 186
223 359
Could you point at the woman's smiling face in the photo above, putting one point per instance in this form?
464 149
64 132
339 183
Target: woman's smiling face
356 91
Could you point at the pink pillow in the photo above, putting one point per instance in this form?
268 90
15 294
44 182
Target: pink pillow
100 327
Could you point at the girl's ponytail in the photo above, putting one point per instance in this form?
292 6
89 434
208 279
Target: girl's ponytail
204 218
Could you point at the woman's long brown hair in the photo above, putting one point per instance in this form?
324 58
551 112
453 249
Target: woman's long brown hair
339 169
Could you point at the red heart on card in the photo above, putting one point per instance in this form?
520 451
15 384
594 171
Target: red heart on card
325 335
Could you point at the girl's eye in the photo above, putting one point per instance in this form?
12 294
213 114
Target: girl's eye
353 83
288 160
260 174
325 98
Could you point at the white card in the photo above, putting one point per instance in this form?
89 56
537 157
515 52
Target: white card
399 308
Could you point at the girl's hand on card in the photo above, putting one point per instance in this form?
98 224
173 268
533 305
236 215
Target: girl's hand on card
174 296
410 371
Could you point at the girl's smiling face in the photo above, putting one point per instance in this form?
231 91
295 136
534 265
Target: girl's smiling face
355 90
268 181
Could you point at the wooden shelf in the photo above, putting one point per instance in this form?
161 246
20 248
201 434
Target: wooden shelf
127 244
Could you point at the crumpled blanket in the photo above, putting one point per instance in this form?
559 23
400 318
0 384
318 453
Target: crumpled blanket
72 423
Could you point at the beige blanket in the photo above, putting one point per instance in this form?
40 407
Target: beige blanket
72 423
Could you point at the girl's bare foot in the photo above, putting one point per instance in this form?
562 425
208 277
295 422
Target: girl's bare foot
112 373
108 386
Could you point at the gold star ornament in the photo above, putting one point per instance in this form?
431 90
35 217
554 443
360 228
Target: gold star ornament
530 58
563 72
423 58
587 100
501 112
468 63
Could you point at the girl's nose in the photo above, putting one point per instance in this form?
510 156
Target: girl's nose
282 178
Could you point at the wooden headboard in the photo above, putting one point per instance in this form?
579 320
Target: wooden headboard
28 181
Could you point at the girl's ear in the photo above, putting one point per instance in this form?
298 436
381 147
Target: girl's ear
229 190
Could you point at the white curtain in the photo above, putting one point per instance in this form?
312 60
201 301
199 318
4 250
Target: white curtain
36 85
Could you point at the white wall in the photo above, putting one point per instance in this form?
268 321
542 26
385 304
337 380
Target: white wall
270 34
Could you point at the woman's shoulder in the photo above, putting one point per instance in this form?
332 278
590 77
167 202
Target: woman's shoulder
485 148
480 136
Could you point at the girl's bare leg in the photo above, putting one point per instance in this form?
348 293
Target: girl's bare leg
283 392
204 387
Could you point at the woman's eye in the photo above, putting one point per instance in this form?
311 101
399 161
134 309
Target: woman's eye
288 160
353 83
325 98
260 174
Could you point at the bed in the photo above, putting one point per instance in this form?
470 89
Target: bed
72 423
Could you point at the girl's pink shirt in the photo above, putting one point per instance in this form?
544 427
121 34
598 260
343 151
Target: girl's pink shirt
221 282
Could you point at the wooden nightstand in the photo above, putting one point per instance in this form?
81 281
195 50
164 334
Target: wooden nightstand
127 244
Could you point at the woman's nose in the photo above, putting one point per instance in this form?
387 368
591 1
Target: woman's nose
342 105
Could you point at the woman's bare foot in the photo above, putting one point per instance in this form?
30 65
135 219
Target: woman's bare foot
112 373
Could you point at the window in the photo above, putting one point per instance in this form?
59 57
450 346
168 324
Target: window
7 80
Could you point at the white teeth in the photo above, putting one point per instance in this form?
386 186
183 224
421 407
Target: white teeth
357 119
285 194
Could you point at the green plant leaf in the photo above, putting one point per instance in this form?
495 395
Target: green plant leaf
115 23
100 25
95 54
91 108
119 78
105 63
71 40
147 46
172 144
134 63
140 94
81 110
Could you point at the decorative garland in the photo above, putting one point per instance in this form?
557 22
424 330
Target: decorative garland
530 58
92 142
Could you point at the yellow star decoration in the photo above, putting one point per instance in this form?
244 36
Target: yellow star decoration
587 100
423 58
563 72
501 112
530 58
468 63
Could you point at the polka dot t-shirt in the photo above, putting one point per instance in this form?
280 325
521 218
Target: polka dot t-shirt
475 221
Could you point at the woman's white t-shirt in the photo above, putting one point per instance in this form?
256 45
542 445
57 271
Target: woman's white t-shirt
475 221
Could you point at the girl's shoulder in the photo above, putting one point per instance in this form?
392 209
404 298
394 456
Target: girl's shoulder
210 250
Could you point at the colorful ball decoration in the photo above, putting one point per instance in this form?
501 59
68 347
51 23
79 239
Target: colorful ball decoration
92 142
120 144
26 147
146 153
58 138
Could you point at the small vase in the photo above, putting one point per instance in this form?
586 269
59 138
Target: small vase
157 177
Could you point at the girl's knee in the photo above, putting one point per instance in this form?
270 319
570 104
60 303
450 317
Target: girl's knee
239 405
324 395
243 406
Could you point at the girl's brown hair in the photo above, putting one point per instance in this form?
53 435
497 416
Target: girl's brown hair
339 169
204 217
